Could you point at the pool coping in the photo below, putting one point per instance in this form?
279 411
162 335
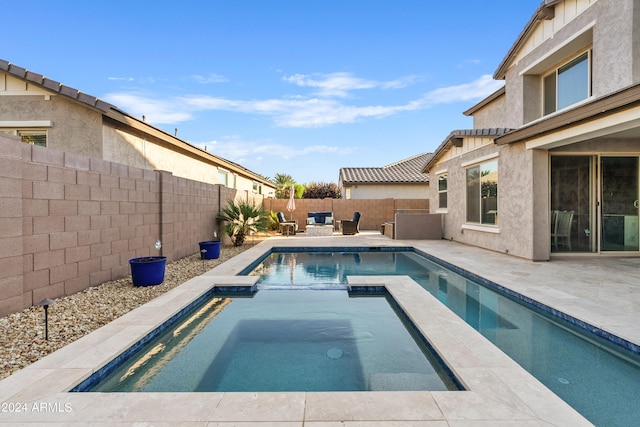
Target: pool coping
498 389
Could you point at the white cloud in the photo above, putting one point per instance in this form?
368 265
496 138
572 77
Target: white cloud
340 84
300 111
211 78
243 152
478 89
333 84
155 110
126 79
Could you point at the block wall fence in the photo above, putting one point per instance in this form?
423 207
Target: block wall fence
69 222
374 212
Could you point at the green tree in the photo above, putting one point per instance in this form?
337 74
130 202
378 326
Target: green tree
283 184
241 219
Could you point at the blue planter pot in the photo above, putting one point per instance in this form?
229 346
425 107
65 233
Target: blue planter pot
210 249
148 271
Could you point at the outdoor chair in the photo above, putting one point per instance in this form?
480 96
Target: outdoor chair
561 233
350 226
287 226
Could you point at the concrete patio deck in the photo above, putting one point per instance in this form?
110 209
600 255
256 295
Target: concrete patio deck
602 291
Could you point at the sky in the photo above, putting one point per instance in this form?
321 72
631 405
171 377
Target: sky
301 88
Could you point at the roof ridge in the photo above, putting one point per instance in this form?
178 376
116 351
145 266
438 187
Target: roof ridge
405 160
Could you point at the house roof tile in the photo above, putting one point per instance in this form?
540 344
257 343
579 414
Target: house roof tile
407 171
457 135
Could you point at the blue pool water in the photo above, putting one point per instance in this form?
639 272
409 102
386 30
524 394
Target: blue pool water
285 341
599 379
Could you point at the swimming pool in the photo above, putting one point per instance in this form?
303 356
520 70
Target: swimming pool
276 341
594 375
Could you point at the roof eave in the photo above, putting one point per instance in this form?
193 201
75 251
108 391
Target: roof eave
601 107
544 12
495 95
455 139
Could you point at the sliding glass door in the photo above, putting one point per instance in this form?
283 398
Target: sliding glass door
594 203
619 204
572 207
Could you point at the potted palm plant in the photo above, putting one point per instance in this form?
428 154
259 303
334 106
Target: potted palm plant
148 270
241 219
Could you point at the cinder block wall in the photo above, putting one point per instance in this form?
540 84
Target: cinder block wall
68 222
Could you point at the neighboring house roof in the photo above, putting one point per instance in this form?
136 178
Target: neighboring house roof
545 11
407 171
455 140
115 113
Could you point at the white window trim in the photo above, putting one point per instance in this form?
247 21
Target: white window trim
554 70
484 228
477 226
437 174
480 160
26 124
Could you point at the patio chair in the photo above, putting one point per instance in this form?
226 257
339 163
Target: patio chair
287 226
561 233
351 226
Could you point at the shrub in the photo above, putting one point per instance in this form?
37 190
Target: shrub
241 219
322 190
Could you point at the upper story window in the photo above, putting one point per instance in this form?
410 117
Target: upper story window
567 84
482 193
257 187
442 191
33 137
223 177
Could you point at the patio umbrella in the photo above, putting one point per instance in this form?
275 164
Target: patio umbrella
291 205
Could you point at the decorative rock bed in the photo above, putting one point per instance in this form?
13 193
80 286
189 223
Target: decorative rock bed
22 341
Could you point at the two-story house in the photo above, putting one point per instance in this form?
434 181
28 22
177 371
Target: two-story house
552 165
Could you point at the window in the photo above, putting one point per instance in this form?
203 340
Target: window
223 177
482 193
567 84
442 191
33 137
257 187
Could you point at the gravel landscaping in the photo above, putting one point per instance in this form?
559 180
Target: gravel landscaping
22 341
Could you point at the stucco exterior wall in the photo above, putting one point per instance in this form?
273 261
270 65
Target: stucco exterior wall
606 24
384 191
82 135
514 232
146 152
491 115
